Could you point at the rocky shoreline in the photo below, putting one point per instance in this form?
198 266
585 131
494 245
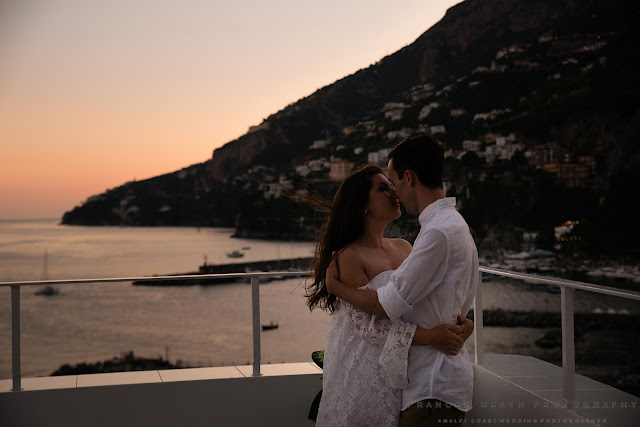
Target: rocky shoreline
126 362
540 319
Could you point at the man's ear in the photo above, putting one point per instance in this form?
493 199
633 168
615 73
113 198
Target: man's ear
411 177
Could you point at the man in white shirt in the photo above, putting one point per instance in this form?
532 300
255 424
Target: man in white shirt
434 285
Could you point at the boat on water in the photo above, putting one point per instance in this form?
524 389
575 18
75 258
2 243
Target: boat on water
47 291
271 325
235 254
246 248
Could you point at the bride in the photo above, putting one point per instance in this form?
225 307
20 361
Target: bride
365 362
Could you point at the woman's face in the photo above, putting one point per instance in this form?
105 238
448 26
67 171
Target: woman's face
383 200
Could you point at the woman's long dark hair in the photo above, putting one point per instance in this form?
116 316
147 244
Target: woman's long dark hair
344 226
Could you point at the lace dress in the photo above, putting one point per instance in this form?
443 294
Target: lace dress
365 366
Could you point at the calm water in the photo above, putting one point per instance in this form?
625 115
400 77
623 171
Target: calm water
208 326
199 325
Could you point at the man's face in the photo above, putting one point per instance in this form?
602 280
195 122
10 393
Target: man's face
405 193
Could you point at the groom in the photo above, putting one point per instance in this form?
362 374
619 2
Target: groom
433 285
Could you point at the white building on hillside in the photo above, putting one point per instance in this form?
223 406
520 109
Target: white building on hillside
399 134
379 156
424 112
394 110
317 165
275 189
320 143
340 169
303 170
470 145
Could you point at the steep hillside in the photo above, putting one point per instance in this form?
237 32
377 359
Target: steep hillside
536 103
470 34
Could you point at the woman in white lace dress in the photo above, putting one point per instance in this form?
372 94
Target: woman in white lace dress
365 362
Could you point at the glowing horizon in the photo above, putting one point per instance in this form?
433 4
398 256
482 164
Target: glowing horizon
96 94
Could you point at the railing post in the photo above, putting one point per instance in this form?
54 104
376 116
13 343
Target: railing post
568 347
15 338
477 320
255 303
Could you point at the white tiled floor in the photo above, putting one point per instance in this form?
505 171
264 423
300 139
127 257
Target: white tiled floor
554 382
282 369
119 378
595 400
200 374
170 375
43 383
506 365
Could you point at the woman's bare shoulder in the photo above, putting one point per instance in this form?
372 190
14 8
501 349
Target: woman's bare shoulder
349 254
401 244
351 267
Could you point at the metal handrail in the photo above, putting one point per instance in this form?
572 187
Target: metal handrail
567 312
573 284
567 290
532 278
255 307
158 278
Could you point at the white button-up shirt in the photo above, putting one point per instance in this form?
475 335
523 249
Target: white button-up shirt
436 282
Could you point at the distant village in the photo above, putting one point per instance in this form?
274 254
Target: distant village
429 108
448 111
332 159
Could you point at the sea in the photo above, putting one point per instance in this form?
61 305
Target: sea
196 325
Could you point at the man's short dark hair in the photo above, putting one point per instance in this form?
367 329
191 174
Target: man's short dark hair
422 154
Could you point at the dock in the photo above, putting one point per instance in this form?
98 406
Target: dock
297 264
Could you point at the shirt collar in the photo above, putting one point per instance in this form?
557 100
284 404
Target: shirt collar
430 211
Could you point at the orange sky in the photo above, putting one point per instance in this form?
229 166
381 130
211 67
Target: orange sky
96 93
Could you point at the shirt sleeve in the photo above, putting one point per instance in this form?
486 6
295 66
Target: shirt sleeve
473 288
420 273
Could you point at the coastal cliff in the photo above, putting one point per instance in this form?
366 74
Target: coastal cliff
469 34
536 103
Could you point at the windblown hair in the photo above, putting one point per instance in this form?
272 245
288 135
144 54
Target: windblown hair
344 226
422 154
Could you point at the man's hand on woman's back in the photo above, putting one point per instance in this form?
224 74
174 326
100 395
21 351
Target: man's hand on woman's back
445 339
449 339
466 327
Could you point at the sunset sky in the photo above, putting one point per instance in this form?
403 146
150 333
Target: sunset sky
95 93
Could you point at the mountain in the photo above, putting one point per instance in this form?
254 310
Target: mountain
470 34
536 103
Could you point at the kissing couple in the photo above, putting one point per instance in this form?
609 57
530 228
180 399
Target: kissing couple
396 351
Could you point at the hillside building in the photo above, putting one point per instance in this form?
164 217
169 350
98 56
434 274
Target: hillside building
275 189
394 110
340 169
320 143
470 145
572 174
379 156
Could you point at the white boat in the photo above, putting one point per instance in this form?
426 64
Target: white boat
235 254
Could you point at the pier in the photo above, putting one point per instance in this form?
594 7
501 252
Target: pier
292 264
